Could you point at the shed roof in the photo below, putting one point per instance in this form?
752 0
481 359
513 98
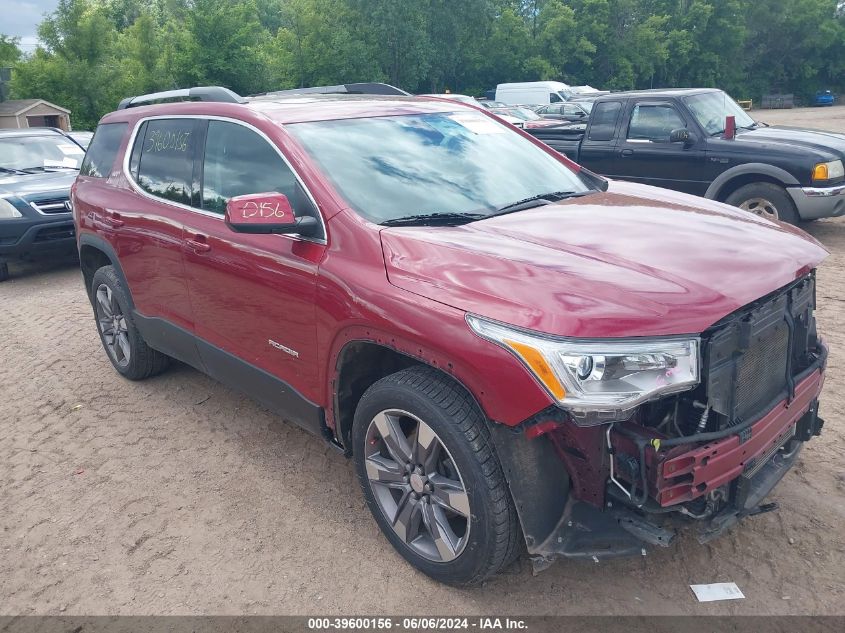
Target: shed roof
19 106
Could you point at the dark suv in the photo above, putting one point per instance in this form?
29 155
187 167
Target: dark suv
37 168
515 352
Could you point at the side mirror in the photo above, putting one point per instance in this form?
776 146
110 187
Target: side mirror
681 135
265 213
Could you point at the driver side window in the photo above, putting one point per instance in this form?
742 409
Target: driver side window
239 162
654 123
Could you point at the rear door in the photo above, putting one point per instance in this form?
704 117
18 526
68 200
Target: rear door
253 296
598 148
647 156
143 221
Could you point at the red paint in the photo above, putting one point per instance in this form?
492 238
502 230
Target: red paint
730 128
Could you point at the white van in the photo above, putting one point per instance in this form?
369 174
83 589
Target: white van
532 92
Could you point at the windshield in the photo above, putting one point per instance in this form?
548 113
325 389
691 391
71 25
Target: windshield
586 105
711 108
25 153
396 166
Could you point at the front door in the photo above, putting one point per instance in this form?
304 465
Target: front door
253 296
646 155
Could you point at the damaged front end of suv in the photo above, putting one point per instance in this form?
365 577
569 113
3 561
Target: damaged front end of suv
651 435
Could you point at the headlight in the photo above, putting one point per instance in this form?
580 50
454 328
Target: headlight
8 210
600 380
829 171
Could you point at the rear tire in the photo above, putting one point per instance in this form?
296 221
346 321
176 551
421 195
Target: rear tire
424 457
4 271
766 200
125 347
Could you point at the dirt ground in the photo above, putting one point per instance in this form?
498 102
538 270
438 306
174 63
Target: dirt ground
180 496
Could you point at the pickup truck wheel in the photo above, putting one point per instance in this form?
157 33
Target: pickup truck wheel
126 349
430 477
4 271
766 200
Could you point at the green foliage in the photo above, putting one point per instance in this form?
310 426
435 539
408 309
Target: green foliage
9 51
94 52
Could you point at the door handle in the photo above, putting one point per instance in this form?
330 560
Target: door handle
112 220
627 152
198 244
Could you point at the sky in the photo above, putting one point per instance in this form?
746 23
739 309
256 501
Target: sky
20 18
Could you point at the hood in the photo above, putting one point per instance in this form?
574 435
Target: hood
633 261
816 141
31 184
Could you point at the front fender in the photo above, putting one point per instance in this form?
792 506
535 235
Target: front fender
762 169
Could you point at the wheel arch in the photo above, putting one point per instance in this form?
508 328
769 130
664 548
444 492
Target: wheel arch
360 362
94 253
741 175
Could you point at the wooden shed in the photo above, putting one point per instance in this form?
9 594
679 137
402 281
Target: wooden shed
23 113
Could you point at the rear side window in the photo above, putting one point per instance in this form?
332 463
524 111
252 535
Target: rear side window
166 159
239 162
102 152
603 124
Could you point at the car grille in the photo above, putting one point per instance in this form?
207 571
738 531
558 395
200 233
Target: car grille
50 205
752 358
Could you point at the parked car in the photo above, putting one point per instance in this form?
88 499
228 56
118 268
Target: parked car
516 353
37 168
824 98
568 111
677 139
454 97
82 137
532 92
523 117
487 103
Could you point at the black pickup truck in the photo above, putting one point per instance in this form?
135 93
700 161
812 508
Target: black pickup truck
677 139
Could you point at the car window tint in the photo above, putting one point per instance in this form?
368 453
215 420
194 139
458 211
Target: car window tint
166 161
238 162
604 118
135 157
554 97
654 122
102 151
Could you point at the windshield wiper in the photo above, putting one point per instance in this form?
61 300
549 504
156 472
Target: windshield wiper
538 201
8 170
434 219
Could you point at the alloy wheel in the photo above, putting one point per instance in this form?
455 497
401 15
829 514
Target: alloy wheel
417 485
762 207
113 326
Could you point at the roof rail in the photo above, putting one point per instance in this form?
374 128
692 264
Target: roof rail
199 93
359 89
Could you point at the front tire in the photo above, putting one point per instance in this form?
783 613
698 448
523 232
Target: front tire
766 200
4 271
128 352
430 477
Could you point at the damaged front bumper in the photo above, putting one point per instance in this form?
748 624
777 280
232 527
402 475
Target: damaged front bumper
728 478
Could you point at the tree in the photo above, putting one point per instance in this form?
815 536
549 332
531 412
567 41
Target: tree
10 52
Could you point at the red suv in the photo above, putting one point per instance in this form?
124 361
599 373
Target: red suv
516 352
